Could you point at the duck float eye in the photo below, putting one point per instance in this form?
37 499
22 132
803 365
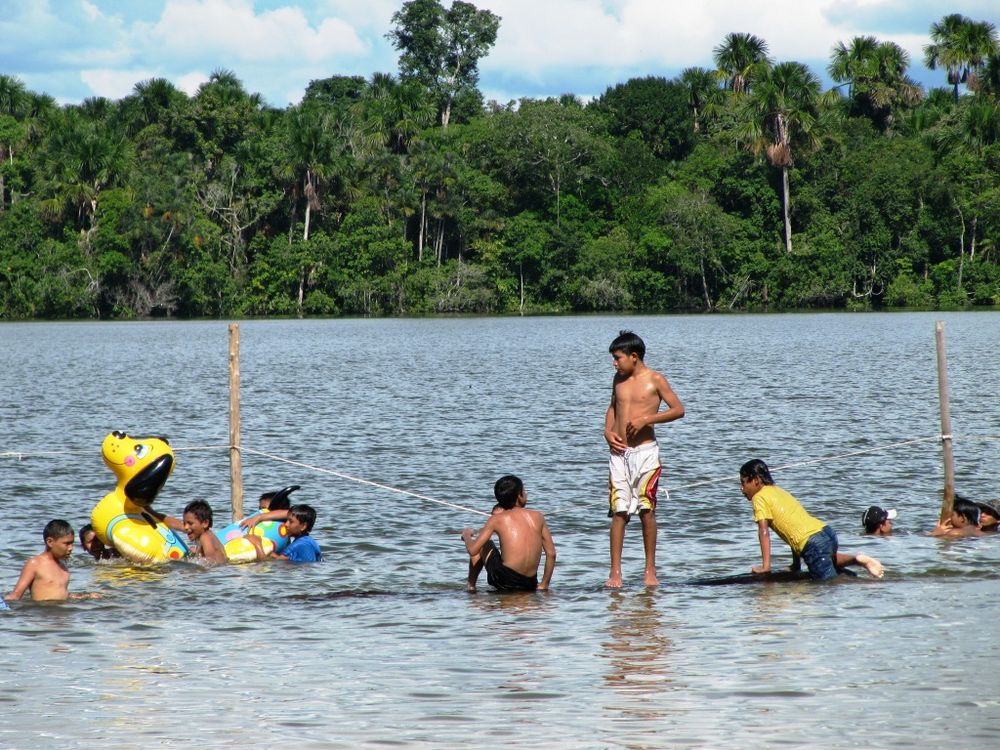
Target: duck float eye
141 451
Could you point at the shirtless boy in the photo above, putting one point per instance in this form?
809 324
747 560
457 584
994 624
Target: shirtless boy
523 537
46 575
634 465
963 522
197 524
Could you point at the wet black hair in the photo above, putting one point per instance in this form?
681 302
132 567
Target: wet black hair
56 529
756 469
506 491
84 530
628 342
967 509
304 514
200 510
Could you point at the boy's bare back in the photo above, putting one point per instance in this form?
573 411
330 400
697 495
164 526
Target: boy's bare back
522 535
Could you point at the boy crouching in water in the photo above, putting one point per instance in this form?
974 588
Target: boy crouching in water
810 539
523 537
46 575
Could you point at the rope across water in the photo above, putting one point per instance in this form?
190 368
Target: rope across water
20 455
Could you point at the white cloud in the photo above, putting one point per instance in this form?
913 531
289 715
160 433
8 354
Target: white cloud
231 31
113 84
189 83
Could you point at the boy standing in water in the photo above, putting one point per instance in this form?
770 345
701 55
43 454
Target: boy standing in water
523 537
811 540
46 575
634 465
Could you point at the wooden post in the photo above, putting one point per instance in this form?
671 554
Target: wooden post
235 457
946 442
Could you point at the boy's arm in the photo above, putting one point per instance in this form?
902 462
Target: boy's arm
615 441
475 545
211 548
24 581
272 515
549 547
764 536
169 521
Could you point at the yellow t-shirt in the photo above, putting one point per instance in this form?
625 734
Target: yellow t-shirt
786 516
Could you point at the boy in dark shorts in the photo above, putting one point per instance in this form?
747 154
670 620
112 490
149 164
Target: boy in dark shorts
523 537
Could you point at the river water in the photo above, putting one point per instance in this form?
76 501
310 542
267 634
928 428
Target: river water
381 646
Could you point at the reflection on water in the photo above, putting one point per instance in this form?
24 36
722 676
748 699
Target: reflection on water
380 645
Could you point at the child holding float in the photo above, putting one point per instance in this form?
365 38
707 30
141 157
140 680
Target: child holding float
299 521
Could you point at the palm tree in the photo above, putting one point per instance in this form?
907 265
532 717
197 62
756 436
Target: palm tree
703 92
876 75
961 46
781 111
738 58
850 62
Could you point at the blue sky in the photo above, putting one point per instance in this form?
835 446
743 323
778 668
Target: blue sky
73 49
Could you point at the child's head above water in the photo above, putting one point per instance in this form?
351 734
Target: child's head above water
305 515
197 518
964 513
58 536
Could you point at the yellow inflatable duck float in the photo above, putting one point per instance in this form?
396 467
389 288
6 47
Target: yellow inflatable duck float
124 517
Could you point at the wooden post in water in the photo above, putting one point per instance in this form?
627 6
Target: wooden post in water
235 457
946 442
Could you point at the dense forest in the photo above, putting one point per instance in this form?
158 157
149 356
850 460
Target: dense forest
744 187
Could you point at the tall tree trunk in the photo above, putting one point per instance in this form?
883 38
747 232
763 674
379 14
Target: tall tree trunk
302 287
423 225
785 201
704 283
520 273
961 248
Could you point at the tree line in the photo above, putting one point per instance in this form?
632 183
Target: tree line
743 187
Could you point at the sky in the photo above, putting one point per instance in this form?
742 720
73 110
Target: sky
74 49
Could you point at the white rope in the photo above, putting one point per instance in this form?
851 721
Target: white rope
732 477
342 475
20 455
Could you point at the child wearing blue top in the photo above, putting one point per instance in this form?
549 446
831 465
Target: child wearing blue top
299 520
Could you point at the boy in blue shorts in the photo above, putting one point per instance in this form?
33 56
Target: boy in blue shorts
811 540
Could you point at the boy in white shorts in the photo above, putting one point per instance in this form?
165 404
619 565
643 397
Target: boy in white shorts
634 465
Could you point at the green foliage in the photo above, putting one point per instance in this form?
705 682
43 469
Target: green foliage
403 195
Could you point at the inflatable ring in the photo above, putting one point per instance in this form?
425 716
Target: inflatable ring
273 534
124 517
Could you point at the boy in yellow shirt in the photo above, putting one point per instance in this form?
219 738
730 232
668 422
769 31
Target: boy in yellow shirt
811 540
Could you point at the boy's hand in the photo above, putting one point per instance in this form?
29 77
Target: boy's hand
634 425
466 534
615 441
249 522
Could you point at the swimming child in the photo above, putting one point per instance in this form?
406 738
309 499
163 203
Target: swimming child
811 540
299 521
878 521
197 524
634 464
963 522
989 515
46 575
93 545
523 537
